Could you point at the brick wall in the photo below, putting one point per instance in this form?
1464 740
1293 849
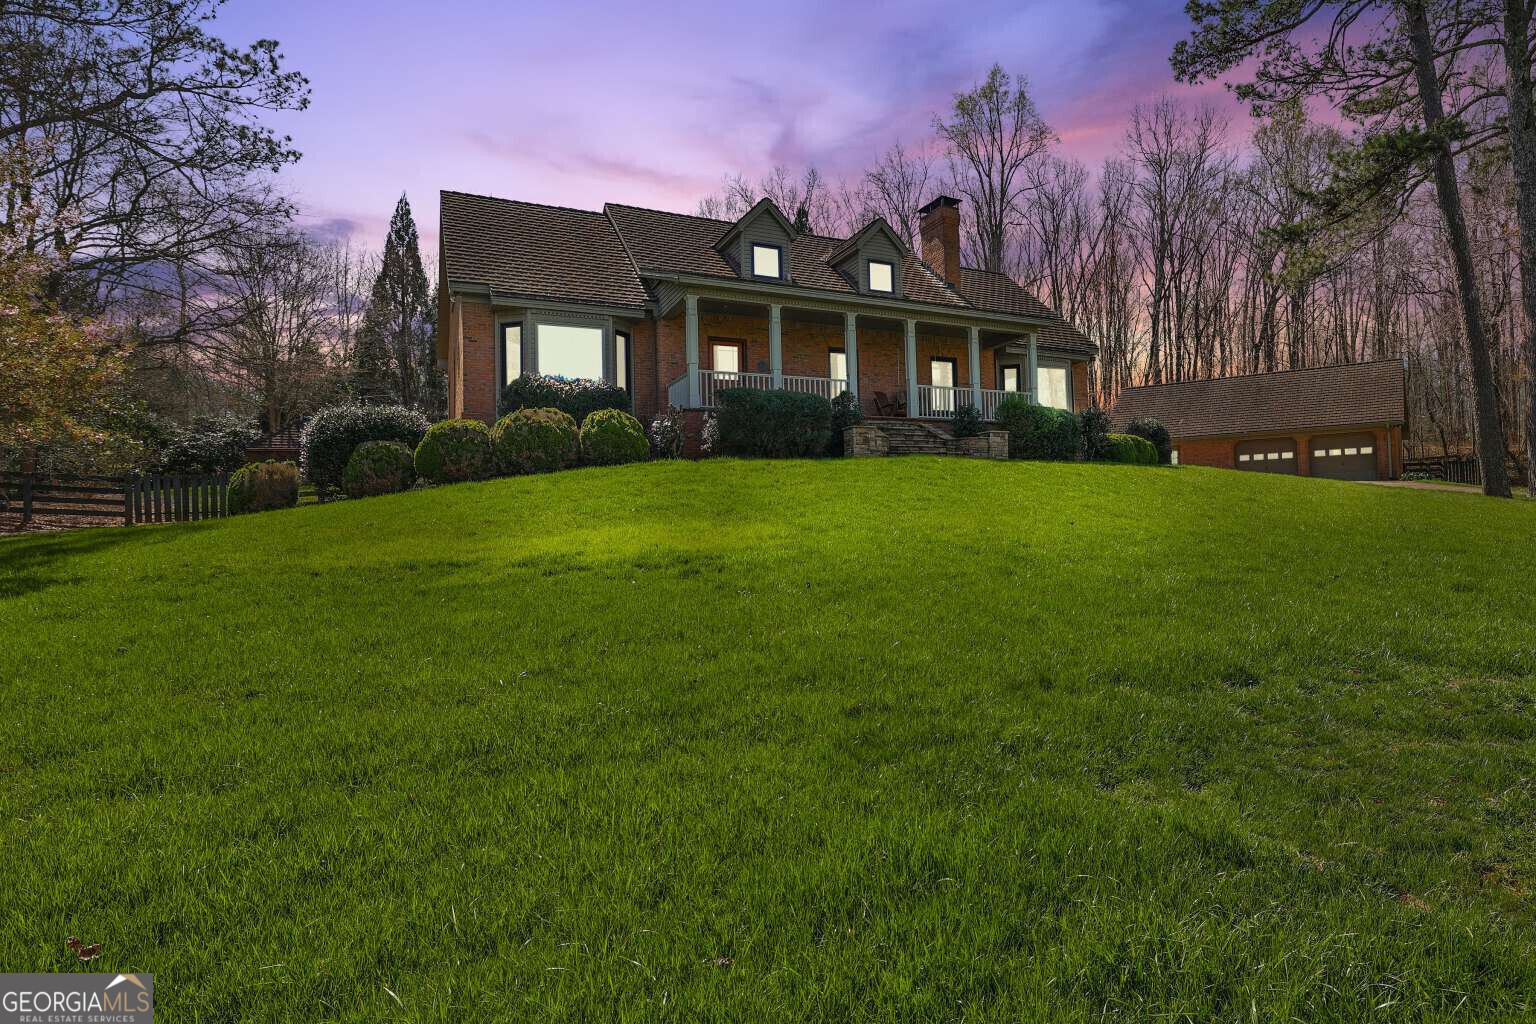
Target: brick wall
472 394
658 357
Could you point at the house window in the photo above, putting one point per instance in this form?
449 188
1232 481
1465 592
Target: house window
621 359
575 353
837 369
1053 386
767 260
1010 378
1244 458
511 353
725 356
1173 457
882 276
941 371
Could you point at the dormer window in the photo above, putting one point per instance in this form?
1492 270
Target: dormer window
882 277
767 261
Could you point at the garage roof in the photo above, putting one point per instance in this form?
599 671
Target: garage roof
1346 395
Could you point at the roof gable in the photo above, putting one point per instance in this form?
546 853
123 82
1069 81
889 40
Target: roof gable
1319 397
861 238
764 207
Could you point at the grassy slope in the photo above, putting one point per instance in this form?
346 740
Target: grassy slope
904 740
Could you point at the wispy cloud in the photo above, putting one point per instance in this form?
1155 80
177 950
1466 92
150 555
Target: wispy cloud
582 101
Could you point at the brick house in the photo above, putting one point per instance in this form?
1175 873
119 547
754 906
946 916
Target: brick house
674 308
1345 422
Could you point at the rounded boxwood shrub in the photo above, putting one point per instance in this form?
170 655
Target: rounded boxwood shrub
1037 431
611 437
535 441
332 435
576 397
453 451
1130 449
772 424
378 467
1154 431
262 486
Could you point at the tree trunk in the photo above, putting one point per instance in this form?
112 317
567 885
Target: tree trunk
1490 447
1522 143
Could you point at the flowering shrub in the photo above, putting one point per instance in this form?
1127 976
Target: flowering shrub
666 434
212 444
61 378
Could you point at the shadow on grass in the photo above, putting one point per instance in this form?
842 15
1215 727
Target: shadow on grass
30 563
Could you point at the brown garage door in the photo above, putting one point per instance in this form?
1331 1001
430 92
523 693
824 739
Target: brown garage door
1344 457
1276 455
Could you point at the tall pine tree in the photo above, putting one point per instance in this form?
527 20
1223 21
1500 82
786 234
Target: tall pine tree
396 353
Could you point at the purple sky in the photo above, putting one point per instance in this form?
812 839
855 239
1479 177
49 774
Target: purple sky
582 103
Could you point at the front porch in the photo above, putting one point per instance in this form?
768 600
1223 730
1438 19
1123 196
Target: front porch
912 368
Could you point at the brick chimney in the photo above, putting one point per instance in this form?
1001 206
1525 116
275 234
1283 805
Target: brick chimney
940 230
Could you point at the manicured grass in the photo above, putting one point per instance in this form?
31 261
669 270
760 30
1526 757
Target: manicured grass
882 740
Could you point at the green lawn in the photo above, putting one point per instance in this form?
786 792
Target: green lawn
884 740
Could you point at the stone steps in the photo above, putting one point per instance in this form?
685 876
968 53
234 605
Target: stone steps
915 437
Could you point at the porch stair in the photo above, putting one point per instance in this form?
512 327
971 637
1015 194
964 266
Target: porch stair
914 437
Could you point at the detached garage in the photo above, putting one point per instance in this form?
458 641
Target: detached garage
1343 422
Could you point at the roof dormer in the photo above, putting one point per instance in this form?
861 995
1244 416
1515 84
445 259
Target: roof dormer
758 245
872 259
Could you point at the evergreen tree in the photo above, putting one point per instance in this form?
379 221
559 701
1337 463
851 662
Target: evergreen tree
396 358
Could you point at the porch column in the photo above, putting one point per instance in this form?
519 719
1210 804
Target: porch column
775 347
851 353
1033 384
911 367
974 355
691 346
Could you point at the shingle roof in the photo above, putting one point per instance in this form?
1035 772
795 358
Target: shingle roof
999 293
684 244
545 252
561 254
1346 395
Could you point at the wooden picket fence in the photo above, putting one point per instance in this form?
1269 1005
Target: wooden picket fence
140 499
176 499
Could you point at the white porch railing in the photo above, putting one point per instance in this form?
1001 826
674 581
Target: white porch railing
940 403
827 387
991 398
934 402
712 382
677 393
